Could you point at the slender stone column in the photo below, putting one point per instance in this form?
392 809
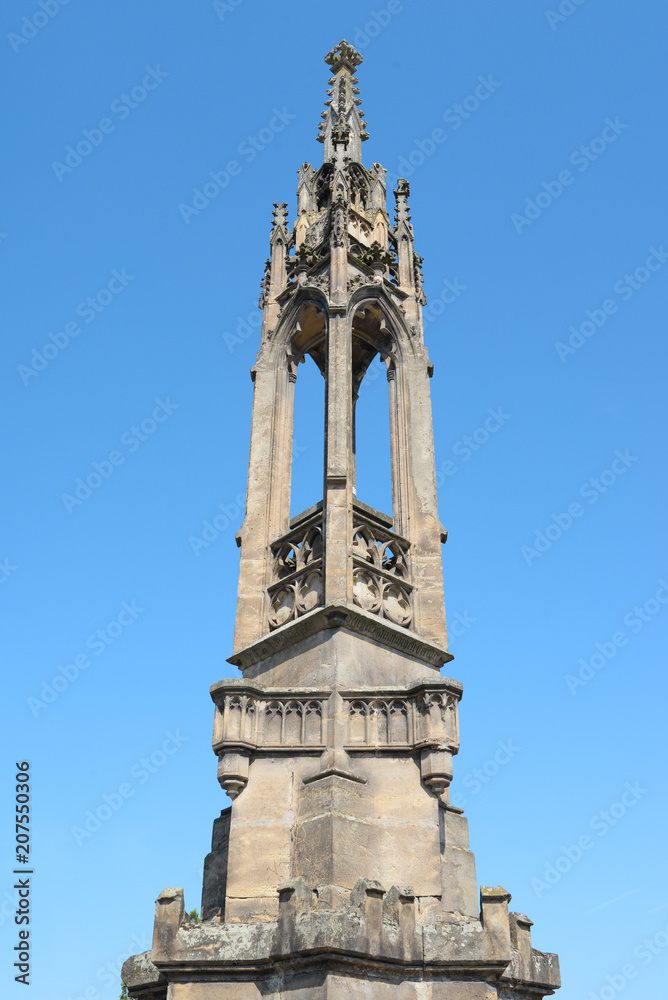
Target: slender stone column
338 480
267 496
425 529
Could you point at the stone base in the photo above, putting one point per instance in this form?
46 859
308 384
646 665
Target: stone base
325 985
371 948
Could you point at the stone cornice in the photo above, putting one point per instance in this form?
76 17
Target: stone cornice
354 620
238 685
388 691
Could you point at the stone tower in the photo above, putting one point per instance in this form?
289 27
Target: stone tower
340 870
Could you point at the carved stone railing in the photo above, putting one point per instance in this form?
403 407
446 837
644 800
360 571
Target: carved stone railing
381 567
417 717
296 585
386 719
286 720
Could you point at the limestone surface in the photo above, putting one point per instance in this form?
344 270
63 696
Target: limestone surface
341 871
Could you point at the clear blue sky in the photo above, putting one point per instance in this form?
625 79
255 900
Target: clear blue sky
536 235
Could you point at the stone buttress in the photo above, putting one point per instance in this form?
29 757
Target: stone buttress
340 868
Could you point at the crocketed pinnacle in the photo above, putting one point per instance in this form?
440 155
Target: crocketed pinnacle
342 123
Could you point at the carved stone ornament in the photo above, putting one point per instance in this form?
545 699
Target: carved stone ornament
318 281
271 720
357 281
265 284
280 214
341 133
297 575
317 233
339 223
381 582
343 54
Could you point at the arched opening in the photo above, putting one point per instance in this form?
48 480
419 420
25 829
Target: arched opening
323 186
308 439
373 458
372 439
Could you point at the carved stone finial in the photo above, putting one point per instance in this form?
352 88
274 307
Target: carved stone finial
342 119
305 255
343 54
379 253
401 194
280 214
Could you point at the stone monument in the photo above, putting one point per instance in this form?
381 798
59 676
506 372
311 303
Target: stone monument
340 870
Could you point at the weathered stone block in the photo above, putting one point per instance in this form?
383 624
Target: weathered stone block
332 850
260 841
261 860
220 991
214 882
333 793
458 876
458 880
455 827
529 965
463 991
268 798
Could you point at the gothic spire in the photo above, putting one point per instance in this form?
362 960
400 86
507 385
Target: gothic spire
342 124
336 744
